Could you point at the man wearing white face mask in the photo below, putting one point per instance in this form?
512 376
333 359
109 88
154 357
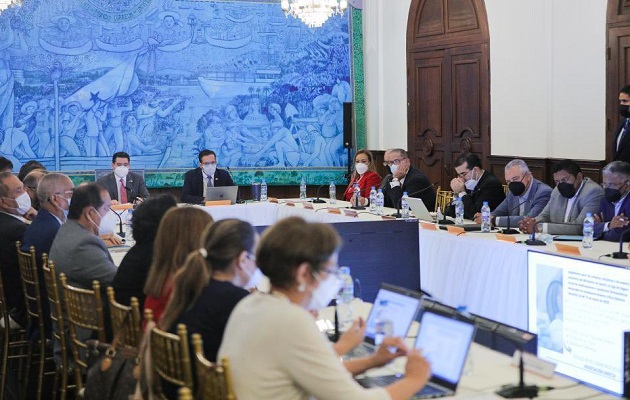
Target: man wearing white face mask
474 185
123 186
14 203
206 175
405 178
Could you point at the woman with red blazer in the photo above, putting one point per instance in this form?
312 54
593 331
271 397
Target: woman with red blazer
365 175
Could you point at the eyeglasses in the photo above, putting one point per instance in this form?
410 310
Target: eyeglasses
251 257
565 180
518 178
394 162
613 185
210 163
464 173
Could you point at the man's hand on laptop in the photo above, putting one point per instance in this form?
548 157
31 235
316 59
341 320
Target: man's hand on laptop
390 348
418 368
351 338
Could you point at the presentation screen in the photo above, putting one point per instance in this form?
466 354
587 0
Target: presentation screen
580 309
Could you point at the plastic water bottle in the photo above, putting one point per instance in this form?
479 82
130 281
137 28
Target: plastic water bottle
345 297
587 231
263 190
404 206
332 192
128 228
303 189
485 217
383 326
459 210
438 215
373 200
356 192
380 202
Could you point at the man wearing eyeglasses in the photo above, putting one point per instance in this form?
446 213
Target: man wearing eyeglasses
573 197
206 175
527 196
615 205
474 185
405 178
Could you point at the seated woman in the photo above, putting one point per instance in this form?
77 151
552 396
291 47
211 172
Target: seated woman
177 236
274 346
365 175
134 267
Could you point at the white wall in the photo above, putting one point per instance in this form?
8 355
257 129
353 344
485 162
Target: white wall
547 74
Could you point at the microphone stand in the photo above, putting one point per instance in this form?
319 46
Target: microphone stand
121 233
521 390
318 200
507 230
533 241
620 254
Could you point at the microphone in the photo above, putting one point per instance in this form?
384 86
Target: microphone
397 214
533 241
318 200
121 233
507 230
620 254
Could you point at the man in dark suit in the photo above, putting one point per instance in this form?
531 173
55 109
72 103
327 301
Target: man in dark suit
621 143
207 174
122 185
14 203
53 192
474 185
405 178
615 205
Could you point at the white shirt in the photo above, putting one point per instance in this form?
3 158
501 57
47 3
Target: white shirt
276 352
571 203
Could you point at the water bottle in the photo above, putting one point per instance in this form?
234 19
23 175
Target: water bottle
263 190
380 202
404 206
438 215
345 297
128 228
485 217
459 210
332 192
373 200
587 231
356 192
383 326
303 189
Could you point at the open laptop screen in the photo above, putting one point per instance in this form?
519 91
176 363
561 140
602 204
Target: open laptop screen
400 307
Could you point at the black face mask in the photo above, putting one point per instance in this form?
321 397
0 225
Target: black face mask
612 195
624 110
566 189
517 188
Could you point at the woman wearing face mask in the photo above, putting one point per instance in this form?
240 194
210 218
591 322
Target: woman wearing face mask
287 357
212 281
365 175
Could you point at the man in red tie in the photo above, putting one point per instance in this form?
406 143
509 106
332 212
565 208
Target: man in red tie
123 186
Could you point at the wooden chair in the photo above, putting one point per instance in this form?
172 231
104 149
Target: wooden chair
443 198
14 344
185 394
34 309
170 355
59 335
84 311
130 333
506 189
214 381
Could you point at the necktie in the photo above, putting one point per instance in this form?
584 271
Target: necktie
210 182
123 192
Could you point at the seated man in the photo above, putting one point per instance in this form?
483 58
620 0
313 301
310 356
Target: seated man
31 181
123 186
527 196
206 175
572 198
474 186
614 206
405 178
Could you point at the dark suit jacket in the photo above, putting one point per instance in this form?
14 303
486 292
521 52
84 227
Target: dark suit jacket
414 184
489 189
132 274
192 192
135 183
623 153
41 234
607 210
12 230
537 199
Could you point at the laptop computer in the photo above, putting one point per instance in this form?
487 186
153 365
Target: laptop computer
399 306
419 209
222 193
445 342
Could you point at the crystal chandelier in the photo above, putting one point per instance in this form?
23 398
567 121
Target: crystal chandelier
4 4
312 12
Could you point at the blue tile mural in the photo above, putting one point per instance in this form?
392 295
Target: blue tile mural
162 79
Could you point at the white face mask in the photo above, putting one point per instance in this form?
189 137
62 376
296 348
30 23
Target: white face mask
24 203
471 184
63 210
254 279
393 168
108 223
324 293
361 168
210 169
121 171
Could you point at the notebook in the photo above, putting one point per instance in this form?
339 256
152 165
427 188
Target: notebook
419 209
222 193
445 342
398 305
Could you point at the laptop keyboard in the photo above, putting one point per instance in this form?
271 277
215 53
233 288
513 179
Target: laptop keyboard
429 391
381 381
360 351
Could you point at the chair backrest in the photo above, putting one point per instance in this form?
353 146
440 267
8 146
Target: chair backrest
185 394
443 198
54 298
506 189
27 263
126 321
170 355
214 381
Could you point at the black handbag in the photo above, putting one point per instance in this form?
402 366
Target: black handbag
113 370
